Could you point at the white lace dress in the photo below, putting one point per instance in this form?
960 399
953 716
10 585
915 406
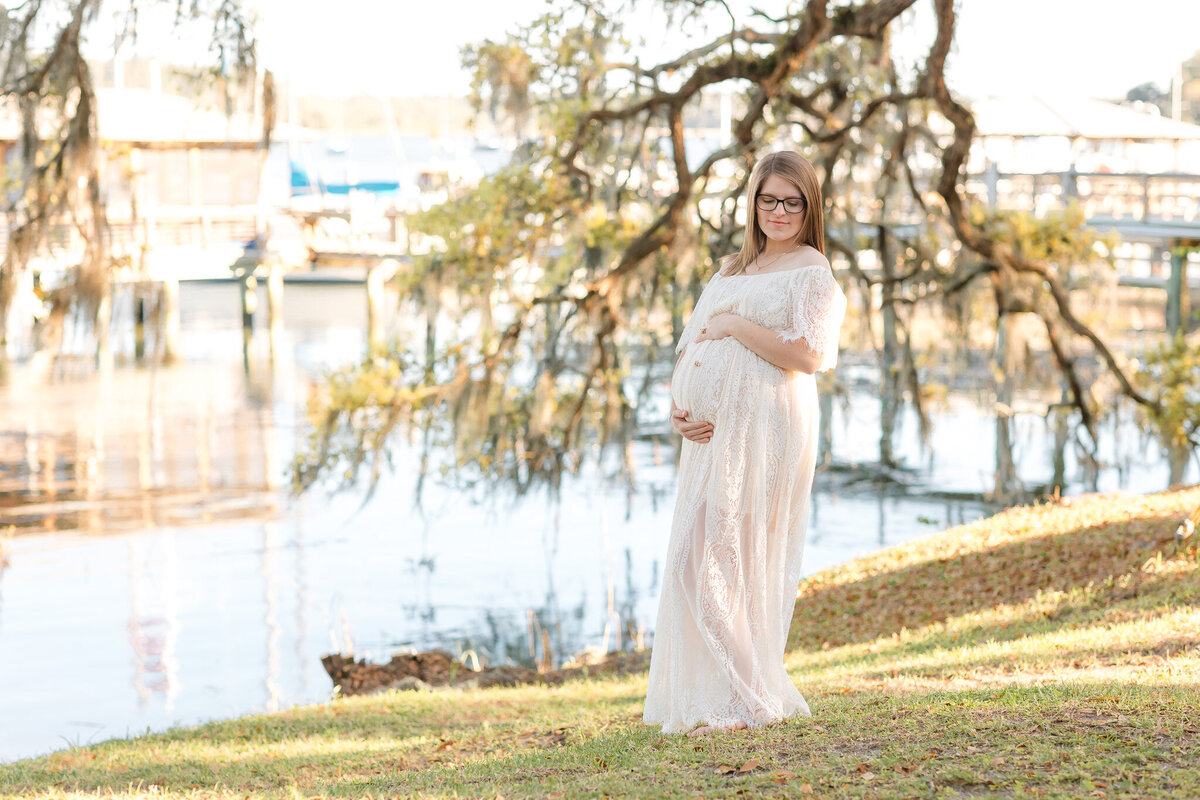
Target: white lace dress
733 562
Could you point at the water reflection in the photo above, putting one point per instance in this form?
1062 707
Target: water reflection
532 627
154 620
162 576
267 571
102 453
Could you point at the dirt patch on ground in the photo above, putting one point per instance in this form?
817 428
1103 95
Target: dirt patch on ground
438 668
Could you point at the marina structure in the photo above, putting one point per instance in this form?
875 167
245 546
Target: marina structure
192 191
1132 172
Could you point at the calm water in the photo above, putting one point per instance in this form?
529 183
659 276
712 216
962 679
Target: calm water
156 572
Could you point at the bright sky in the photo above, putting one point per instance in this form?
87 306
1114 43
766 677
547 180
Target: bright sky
1096 48
1099 48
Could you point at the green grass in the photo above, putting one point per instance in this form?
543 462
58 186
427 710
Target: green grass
1049 651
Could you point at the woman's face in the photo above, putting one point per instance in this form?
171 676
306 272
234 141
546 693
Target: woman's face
778 224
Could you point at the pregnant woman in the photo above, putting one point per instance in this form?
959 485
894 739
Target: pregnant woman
744 398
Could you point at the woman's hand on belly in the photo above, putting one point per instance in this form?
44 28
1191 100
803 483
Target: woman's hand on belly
698 432
794 356
719 326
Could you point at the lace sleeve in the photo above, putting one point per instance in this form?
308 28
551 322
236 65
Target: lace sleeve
819 307
700 315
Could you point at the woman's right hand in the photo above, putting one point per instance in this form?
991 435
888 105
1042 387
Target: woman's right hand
698 432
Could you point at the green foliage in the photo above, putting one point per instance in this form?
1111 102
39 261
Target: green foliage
1171 374
481 421
501 77
352 416
487 237
55 205
551 66
526 354
556 280
1058 237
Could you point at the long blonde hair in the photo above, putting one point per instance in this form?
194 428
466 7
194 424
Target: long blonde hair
795 169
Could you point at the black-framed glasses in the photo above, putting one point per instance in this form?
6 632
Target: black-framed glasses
792 205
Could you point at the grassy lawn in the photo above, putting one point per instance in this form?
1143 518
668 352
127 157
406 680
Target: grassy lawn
1049 651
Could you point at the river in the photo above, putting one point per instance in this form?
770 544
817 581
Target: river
155 570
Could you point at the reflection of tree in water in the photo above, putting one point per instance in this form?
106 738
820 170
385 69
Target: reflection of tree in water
544 635
626 611
154 621
550 634
3 566
586 251
507 636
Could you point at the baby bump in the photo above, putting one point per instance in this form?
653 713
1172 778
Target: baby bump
699 380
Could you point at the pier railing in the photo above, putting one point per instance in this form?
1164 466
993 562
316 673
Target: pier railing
198 228
1164 198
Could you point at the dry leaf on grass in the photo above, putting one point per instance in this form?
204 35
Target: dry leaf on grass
752 764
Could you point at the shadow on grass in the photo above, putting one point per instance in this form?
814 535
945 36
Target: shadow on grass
901 743
913 596
865 745
1162 591
338 747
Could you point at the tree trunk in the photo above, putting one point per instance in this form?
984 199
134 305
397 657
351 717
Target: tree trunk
1006 482
889 355
1062 414
825 429
1177 461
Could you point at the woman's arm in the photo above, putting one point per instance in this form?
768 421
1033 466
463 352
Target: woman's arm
764 342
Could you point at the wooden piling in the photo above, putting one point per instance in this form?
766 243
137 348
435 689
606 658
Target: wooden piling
1177 291
170 321
275 305
249 295
139 326
103 321
248 285
377 275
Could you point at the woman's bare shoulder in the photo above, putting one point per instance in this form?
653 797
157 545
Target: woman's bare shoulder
813 257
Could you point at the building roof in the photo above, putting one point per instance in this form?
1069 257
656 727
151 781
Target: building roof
1074 117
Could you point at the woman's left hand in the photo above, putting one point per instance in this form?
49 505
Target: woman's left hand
718 326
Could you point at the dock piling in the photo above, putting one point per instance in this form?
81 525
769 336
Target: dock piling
170 322
139 325
377 275
248 285
1177 291
275 305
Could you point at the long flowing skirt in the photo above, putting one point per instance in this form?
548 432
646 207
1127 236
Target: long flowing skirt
734 557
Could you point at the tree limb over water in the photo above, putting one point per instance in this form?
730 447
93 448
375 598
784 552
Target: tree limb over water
595 240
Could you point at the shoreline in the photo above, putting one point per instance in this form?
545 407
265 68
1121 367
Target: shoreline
964 660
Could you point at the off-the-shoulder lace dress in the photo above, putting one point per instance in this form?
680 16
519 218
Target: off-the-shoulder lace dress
737 537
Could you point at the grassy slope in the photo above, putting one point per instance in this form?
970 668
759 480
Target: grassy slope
1045 652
